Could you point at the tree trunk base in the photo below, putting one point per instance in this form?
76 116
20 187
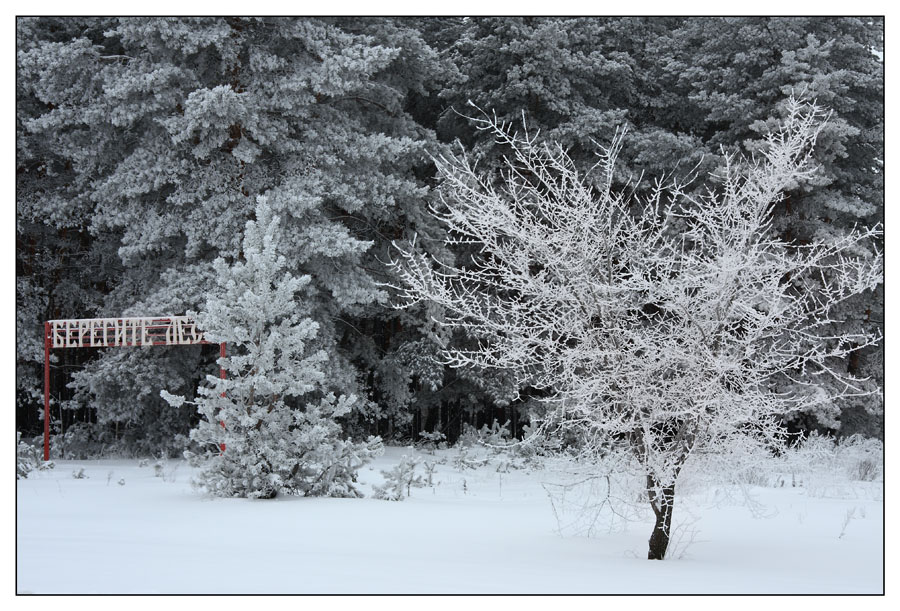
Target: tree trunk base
662 500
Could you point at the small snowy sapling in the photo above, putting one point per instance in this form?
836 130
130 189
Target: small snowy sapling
431 441
462 460
27 457
401 477
271 426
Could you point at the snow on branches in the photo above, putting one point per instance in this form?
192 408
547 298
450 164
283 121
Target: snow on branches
669 320
271 426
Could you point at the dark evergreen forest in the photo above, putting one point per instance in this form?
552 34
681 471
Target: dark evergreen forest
143 146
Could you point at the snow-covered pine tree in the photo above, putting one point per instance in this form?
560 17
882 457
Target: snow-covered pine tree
659 326
272 414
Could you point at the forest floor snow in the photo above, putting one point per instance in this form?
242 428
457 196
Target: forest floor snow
127 528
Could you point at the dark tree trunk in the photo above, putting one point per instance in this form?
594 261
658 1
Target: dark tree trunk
662 500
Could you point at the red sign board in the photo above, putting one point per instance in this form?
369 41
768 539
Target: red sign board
114 332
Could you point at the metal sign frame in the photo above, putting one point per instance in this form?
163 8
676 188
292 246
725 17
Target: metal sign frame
116 332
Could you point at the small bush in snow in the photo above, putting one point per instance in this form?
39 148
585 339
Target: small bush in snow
429 471
757 477
865 470
432 441
462 460
27 457
402 477
862 458
821 463
495 437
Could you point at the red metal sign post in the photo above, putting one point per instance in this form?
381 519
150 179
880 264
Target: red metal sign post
115 332
46 391
222 375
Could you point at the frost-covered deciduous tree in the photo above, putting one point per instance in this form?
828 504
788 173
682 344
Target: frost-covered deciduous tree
664 324
270 426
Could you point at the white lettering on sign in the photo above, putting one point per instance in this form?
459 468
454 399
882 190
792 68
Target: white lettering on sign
83 327
57 335
72 337
111 332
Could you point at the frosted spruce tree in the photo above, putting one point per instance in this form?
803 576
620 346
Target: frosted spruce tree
270 427
657 326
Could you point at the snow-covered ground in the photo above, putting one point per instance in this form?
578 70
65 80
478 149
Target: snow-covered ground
123 529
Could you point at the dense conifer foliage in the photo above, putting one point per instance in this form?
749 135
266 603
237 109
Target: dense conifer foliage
144 144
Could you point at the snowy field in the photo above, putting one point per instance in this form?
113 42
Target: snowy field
127 528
